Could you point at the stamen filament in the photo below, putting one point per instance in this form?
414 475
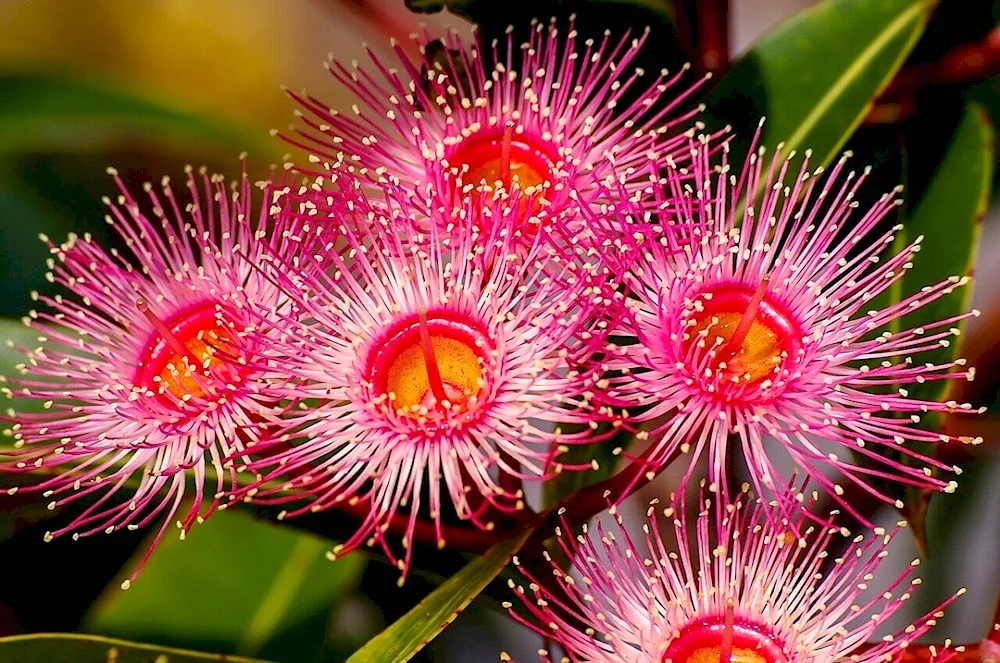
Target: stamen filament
430 361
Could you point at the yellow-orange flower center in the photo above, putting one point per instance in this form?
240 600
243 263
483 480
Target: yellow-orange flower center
753 357
458 369
724 639
714 655
752 336
491 170
191 355
503 157
434 363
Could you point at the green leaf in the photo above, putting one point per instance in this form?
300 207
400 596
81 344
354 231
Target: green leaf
949 216
75 648
40 112
408 635
14 333
815 76
236 583
15 513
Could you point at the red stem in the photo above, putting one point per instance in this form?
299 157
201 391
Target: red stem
994 634
575 510
591 500
703 33
712 42
468 539
505 147
195 366
430 361
966 63
743 328
726 650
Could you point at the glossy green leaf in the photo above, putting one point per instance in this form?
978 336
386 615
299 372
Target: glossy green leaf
815 76
42 112
14 333
408 635
15 337
76 648
236 583
949 217
14 514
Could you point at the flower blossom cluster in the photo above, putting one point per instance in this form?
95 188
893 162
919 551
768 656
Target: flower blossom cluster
495 260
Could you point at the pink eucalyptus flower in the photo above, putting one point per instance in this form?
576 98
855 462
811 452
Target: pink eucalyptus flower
447 366
741 588
553 124
762 327
152 369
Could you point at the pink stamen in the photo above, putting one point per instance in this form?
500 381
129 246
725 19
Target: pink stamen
430 361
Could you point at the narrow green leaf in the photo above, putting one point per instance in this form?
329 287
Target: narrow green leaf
949 216
815 76
76 648
13 333
41 112
235 582
15 513
408 635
